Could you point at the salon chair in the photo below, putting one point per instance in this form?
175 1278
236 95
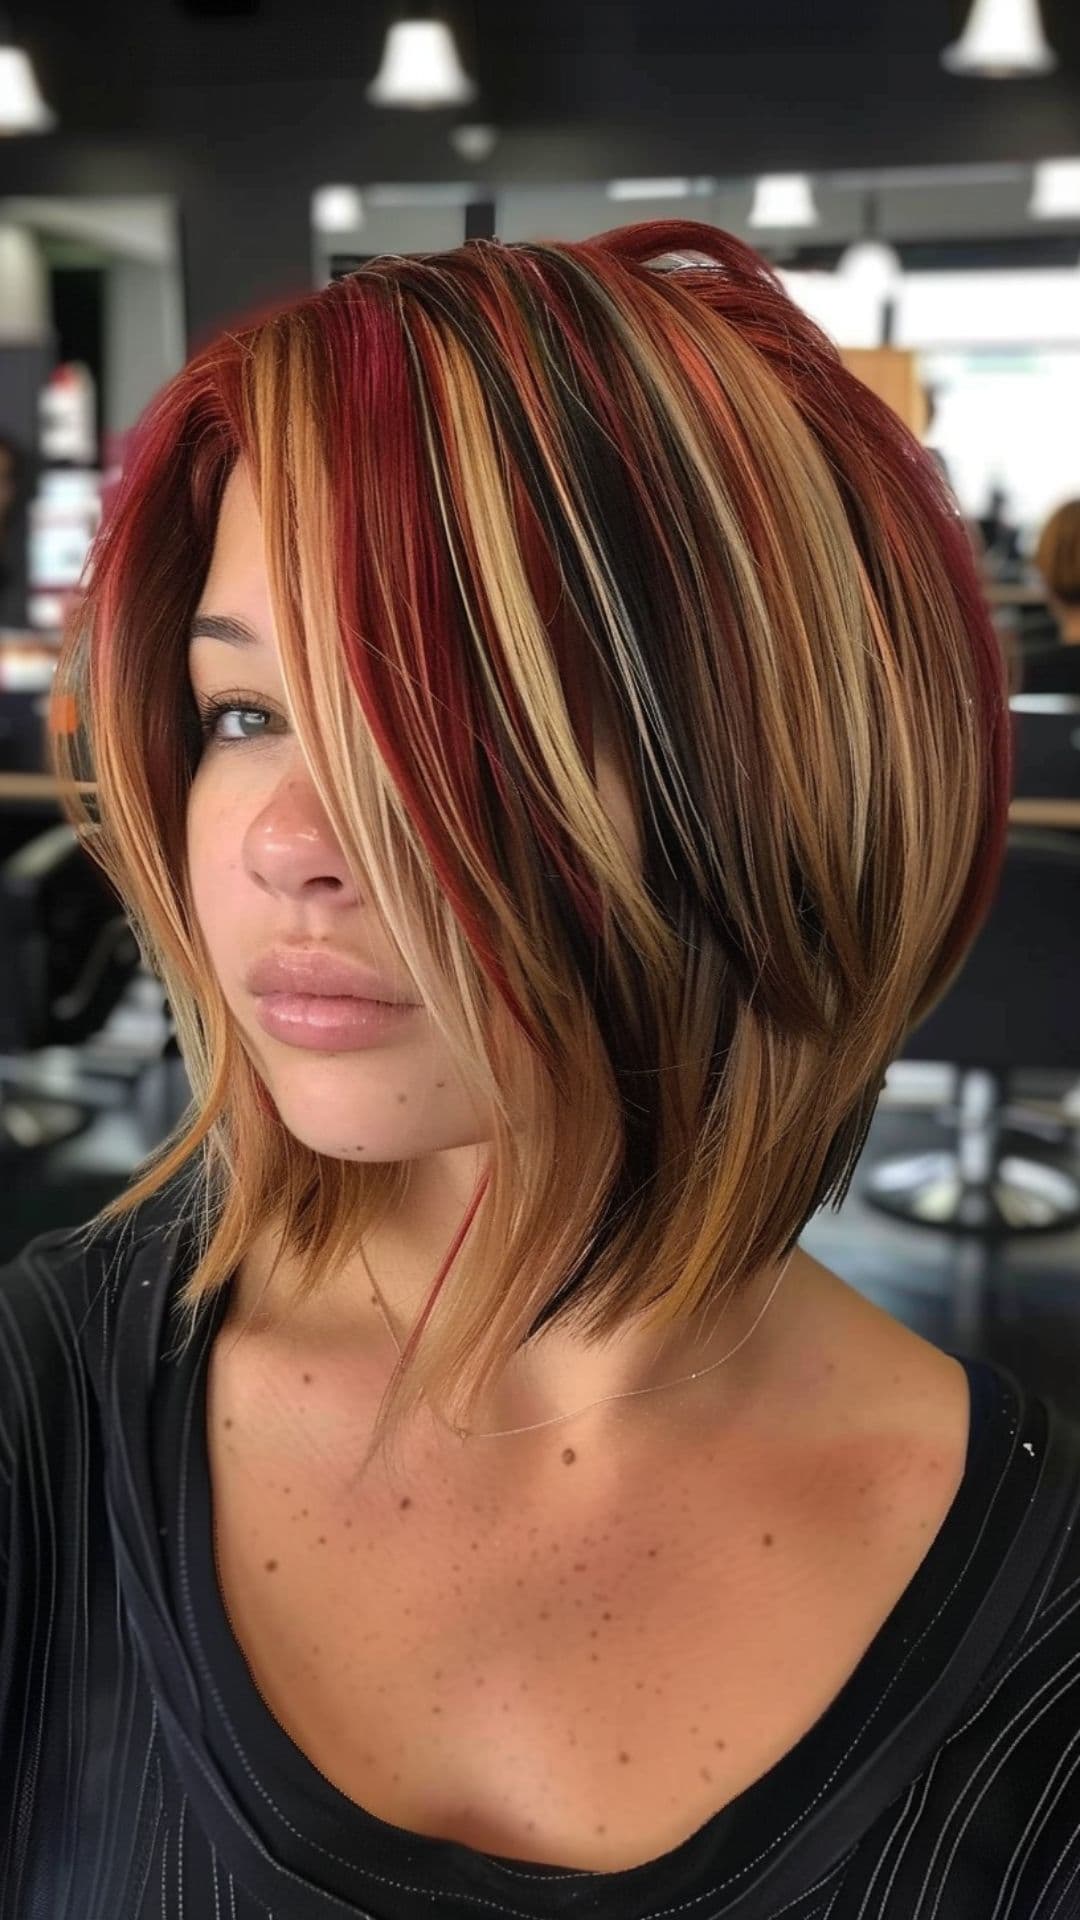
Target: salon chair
67 956
1046 735
1014 1007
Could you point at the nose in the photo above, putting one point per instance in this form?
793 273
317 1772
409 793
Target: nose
291 850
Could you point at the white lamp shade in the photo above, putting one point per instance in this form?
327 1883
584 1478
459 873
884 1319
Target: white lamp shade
783 200
1056 194
22 109
873 267
337 209
25 308
1002 40
420 68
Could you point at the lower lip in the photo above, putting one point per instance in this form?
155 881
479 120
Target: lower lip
329 1023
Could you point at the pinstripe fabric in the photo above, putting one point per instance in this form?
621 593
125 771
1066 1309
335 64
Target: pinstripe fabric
142 1778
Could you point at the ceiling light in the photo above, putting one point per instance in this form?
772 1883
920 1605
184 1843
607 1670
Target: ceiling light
783 200
474 142
1003 40
871 266
420 68
22 109
1056 194
337 209
647 189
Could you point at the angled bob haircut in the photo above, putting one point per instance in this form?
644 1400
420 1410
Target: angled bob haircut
503 487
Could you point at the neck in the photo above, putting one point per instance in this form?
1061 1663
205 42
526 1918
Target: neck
558 1373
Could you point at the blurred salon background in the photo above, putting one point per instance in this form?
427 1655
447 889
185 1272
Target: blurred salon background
914 173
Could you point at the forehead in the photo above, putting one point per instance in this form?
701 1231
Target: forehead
237 571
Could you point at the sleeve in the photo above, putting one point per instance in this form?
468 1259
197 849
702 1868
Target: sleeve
43 1295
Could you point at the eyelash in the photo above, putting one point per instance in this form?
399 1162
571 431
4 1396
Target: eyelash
235 701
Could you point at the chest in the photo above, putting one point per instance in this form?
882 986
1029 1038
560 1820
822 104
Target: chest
579 1671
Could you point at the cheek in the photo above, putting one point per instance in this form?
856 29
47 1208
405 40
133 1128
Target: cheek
214 833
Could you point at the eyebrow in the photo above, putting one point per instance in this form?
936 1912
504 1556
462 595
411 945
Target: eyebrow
222 626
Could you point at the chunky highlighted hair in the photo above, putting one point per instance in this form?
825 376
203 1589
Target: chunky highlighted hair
503 489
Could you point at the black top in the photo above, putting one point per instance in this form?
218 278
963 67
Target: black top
142 1775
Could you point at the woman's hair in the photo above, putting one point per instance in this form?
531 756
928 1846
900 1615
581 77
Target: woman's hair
1057 555
501 486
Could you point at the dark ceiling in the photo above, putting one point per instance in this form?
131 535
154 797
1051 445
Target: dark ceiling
578 88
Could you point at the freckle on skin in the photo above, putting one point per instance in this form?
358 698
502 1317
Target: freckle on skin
624 1757
767 1539
271 1566
569 1456
406 1502
228 1423
402 1097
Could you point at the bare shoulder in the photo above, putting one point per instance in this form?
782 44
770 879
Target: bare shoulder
883 1414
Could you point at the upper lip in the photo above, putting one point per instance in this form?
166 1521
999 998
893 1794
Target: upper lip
303 970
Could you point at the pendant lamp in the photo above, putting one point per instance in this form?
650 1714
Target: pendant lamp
1003 40
1056 194
783 200
420 68
22 109
870 263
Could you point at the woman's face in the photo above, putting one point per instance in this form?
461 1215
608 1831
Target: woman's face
267 873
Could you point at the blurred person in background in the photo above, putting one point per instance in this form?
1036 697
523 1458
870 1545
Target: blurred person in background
1055 668
999 534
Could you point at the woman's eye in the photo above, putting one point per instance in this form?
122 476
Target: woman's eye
227 721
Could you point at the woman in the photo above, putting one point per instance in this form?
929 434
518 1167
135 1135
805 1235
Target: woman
1056 668
548 735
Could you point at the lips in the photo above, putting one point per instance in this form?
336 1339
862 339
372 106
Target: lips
306 971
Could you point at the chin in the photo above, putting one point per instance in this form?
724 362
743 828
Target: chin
349 1112
325 1109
